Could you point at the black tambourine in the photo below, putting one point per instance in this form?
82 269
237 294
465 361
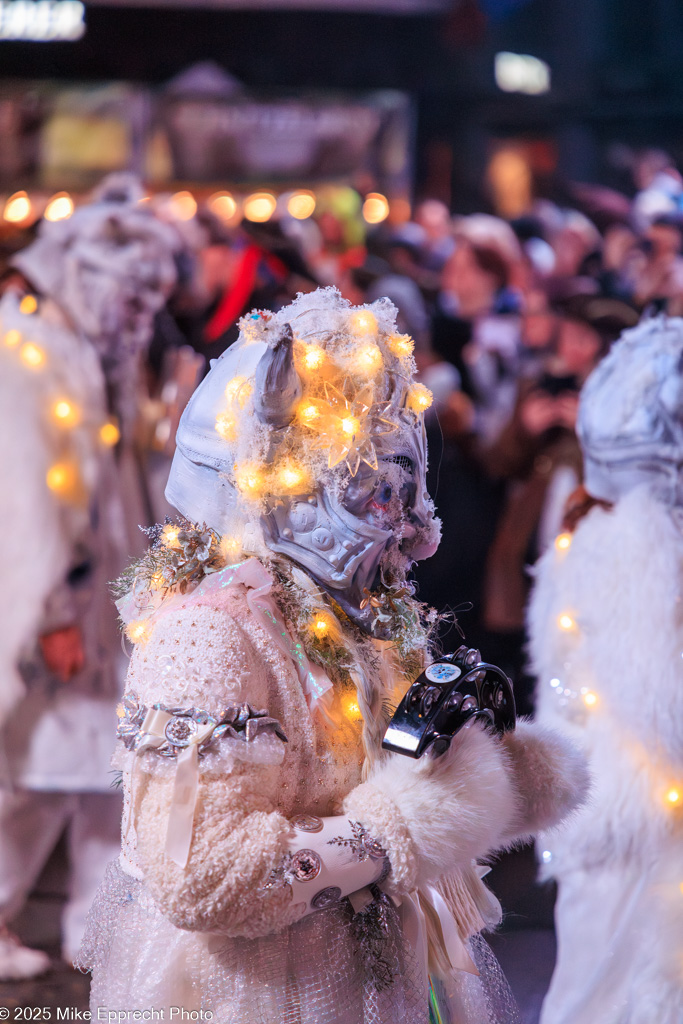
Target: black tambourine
450 693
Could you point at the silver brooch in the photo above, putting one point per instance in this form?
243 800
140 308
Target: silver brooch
305 865
179 731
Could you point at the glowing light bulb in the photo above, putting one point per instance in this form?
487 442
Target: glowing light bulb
590 699
60 207
230 548
249 479
259 207
563 541
375 208
17 208
61 477
290 476
12 338
419 398
308 412
184 205
223 205
28 305
350 426
32 355
401 345
566 622
320 625
363 322
137 631
314 357
225 426
301 205
353 709
66 413
109 434
157 581
368 358
238 390
169 535
546 856
673 796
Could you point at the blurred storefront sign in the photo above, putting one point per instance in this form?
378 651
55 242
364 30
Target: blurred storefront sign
204 128
359 6
42 21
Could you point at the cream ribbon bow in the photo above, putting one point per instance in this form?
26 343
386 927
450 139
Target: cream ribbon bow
186 782
431 929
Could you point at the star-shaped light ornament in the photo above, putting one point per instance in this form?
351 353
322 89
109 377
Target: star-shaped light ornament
347 427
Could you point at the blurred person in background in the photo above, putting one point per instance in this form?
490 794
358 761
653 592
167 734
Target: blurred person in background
76 314
478 288
399 277
538 454
622 259
434 218
660 188
257 267
660 277
577 244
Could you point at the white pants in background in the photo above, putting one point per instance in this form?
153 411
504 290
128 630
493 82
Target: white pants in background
31 822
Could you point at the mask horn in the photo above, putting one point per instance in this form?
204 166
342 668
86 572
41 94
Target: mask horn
278 387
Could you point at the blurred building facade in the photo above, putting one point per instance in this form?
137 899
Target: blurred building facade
614 86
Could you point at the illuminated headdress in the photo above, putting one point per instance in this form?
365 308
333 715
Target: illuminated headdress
308 436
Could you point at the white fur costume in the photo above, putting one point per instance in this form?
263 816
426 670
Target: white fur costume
65 534
224 928
607 648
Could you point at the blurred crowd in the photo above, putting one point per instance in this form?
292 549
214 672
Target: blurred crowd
110 318
508 317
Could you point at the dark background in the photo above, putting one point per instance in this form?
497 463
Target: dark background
616 80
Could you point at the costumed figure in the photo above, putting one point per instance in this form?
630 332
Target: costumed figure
276 865
606 646
80 302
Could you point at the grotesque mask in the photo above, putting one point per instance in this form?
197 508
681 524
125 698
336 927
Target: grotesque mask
307 440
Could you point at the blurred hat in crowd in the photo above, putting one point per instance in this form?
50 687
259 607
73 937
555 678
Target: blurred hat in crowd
485 231
607 316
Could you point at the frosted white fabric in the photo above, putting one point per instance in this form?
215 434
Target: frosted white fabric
619 860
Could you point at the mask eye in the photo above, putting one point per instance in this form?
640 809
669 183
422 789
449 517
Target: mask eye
383 493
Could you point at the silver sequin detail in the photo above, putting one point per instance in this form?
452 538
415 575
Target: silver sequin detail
326 897
307 823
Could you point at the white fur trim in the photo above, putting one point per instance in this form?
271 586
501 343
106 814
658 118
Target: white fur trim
455 808
550 775
621 582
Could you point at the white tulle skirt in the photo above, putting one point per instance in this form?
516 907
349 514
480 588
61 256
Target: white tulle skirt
317 971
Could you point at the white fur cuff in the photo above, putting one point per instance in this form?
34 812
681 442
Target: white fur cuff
383 820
